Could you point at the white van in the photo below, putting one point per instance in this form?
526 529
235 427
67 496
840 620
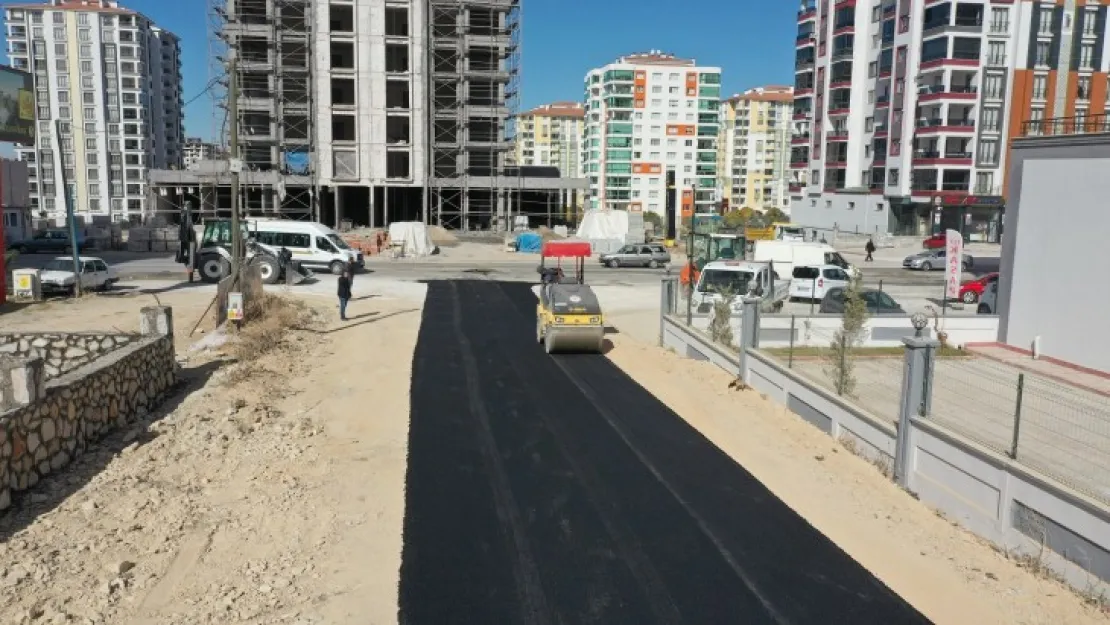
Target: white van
788 254
312 244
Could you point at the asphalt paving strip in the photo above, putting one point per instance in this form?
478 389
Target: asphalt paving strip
548 489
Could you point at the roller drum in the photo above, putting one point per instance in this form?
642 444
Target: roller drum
566 340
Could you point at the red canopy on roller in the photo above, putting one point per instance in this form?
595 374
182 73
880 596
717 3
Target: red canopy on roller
566 249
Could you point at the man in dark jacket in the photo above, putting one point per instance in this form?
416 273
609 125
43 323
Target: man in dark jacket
870 249
344 293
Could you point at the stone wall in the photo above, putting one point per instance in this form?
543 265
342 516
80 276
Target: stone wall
66 414
62 352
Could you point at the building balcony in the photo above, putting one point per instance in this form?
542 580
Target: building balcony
840 83
947 92
800 115
800 139
801 65
803 92
796 187
843 53
799 164
807 12
839 108
930 187
958 59
805 40
837 134
938 125
1063 126
950 158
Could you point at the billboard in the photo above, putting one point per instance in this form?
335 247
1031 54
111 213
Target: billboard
17 106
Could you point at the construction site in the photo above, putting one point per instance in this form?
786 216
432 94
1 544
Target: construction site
359 113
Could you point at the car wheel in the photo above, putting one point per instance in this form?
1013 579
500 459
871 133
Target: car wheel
654 264
926 266
614 264
268 269
970 297
336 267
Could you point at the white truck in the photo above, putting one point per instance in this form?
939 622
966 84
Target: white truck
789 254
739 279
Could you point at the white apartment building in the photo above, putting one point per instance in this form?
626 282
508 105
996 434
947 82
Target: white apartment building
195 150
648 115
550 136
111 79
754 151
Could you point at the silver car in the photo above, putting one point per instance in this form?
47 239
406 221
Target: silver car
644 255
933 259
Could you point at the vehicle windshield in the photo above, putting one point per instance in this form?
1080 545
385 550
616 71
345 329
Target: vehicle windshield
339 242
725 282
793 232
59 265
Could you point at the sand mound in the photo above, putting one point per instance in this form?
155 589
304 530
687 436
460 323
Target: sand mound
442 237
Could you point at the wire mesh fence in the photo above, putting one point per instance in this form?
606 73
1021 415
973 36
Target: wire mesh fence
1059 430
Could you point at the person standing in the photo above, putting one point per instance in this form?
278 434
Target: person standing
870 247
344 292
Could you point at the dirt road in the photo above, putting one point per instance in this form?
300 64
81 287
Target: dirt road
271 495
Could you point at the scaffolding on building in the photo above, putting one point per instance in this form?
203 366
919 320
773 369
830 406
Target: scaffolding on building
271 41
474 78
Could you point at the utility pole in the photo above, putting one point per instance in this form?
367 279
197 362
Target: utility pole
235 163
71 218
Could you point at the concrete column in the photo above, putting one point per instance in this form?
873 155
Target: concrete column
666 300
749 331
21 381
500 210
917 383
385 206
156 321
337 199
373 220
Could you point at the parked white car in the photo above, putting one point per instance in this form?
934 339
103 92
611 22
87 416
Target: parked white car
58 277
812 282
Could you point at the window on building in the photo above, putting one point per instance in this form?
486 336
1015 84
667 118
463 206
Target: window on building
1045 25
1000 19
988 151
1040 86
1043 50
1086 55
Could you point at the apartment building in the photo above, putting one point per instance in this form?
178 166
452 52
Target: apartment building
550 136
648 115
108 104
196 150
754 148
907 109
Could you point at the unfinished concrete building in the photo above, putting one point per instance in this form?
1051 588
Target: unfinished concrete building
366 112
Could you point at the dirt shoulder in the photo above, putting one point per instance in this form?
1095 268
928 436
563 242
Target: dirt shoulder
945 572
269 491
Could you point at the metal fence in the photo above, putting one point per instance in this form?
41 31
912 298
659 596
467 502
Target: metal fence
1053 428
1058 126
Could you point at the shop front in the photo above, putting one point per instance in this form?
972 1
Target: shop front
977 217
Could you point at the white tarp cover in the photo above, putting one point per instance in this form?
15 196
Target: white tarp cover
414 234
602 224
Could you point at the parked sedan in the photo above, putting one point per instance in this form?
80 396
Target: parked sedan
58 277
877 302
988 305
972 290
48 241
935 242
646 255
933 259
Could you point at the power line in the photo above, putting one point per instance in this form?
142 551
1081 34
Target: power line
207 88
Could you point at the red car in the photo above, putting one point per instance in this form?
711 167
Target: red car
935 242
972 290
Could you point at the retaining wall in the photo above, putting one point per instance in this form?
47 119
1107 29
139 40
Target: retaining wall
59 417
62 352
989 494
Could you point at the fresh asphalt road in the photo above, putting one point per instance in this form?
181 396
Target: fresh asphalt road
131 265
547 490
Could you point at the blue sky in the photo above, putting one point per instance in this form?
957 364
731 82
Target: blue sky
751 40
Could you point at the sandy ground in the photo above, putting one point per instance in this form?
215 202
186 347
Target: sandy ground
945 572
270 492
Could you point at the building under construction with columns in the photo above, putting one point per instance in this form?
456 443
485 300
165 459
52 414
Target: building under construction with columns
372 111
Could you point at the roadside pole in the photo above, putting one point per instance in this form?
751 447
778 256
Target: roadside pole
235 164
71 218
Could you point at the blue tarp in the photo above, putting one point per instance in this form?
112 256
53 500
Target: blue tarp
529 243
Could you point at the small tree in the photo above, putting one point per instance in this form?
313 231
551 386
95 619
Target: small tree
720 324
774 215
841 367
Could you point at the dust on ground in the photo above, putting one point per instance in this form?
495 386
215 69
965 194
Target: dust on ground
269 490
947 573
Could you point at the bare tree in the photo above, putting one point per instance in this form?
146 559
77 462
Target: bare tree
841 365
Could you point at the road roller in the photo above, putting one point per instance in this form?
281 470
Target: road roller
568 314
